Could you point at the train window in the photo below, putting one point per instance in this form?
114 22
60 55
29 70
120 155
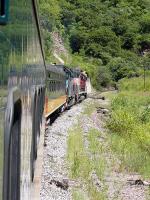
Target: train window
3 11
56 83
2 7
49 86
52 86
67 75
82 78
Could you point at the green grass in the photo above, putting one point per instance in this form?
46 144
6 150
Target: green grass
96 148
94 194
81 166
78 195
78 159
135 84
109 94
89 109
133 158
94 145
130 125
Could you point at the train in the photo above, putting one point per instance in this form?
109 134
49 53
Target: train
64 87
30 92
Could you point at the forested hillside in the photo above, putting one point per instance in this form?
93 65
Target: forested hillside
108 38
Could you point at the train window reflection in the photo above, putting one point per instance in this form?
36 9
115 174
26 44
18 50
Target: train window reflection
2 6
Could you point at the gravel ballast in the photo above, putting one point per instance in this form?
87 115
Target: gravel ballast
55 176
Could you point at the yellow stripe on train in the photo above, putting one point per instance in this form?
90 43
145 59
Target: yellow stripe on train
51 105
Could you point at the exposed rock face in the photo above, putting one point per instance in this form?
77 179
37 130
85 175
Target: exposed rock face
59 49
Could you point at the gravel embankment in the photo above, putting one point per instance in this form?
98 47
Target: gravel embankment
55 180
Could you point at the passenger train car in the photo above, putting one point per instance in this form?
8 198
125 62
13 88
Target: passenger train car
22 88
55 89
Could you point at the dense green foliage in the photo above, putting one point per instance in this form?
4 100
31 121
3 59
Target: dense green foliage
115 33
130 124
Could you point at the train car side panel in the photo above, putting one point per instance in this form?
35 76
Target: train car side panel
56 89
22 70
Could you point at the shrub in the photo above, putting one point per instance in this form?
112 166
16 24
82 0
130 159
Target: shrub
130 125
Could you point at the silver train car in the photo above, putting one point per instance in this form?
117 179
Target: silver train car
22 90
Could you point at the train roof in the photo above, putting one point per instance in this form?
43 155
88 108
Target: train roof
60 69
74 72
55 68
